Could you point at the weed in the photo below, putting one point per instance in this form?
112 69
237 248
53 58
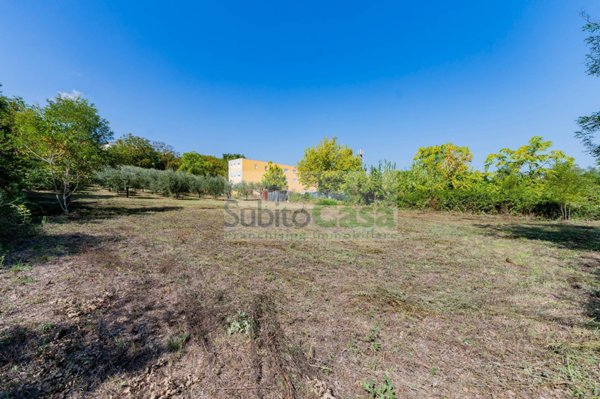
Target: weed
382 391
374 339
46 327
580 384
20 267
238 324
177 343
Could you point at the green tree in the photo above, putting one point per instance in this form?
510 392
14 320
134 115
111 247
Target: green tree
590 125
13 166
245 189
274 178
199 185
66 137
202 165
517 175
15 171
367 187
169 158
134 151
530 160
447 162
566 185
217 185
228 157
325 165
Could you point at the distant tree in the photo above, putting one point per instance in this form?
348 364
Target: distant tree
325 165
244 189
216 166
229 157
168 157
530 160
202 165
66 137
134 151
274 179
192 162
567 185
447 162
169 182
590 125
216 185
198 185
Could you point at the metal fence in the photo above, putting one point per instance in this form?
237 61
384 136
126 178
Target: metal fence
276 196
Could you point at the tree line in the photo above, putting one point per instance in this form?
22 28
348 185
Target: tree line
65 145
531 180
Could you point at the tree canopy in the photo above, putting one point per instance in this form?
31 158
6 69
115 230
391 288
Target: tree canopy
134 151
590 125
325 165
202 165
448 162
66 137
274 178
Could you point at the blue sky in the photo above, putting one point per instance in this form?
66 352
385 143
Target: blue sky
268 79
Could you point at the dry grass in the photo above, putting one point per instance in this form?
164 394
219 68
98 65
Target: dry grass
459 306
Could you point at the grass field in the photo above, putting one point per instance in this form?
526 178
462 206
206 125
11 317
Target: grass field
142 297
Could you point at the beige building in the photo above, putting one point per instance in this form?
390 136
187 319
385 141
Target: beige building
252 171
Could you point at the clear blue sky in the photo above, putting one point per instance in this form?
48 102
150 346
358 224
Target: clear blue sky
268 79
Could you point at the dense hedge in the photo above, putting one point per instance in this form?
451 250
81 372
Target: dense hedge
543 196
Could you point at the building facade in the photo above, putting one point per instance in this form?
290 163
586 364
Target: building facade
252 171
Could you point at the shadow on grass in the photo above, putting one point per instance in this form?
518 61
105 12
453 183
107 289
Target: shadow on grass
74 357
40 247
89 212
593 303
81 209
576 237
26 243
585 238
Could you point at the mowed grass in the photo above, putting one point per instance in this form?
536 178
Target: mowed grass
143 295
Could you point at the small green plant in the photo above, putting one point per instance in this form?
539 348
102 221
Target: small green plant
238 324
382 391
23 213
177 343
20 267
374 339
46 327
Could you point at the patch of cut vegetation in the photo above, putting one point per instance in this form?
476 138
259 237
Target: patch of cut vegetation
125 302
